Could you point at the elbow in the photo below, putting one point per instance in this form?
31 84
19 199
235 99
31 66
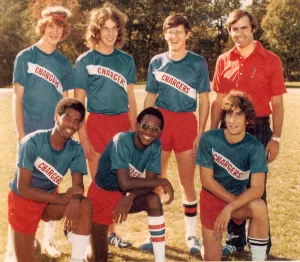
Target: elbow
125 186
22 191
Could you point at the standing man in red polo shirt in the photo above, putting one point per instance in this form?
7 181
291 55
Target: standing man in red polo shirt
250 68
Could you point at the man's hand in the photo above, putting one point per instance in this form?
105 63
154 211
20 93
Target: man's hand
122 209
88 149
222 222
196 144
168 189
272 150
66 197
71 215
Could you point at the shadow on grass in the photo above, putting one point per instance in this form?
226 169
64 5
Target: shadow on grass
246 256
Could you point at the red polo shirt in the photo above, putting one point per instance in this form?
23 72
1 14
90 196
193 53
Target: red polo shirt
259 75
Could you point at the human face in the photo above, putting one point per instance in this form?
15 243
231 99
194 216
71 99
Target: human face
236 124
175 37
108 34
147 131
68 123
241 32
53 33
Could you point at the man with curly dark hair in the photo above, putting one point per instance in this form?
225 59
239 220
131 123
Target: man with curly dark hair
226 158
105 75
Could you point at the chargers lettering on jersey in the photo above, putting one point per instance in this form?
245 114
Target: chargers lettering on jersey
45 74
176 84
48 170
133 172
109 73
230 167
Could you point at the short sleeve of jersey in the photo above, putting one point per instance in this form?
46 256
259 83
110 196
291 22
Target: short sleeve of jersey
20 70
204 84
78 164
204 155
132 72
80 75
120 153
151 85
258 162
27 153
154 163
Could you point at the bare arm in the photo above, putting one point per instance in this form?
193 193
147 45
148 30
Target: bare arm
150 100
132 106
17 110
89 151
272 148
208 182
216 109
65 94
203 115
26 190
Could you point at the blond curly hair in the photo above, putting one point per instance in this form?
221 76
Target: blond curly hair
56 14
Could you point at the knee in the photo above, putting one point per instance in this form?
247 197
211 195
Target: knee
153 202
86 208
258 209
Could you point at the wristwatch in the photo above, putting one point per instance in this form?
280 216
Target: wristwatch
277 139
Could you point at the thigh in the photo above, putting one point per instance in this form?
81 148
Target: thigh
24 246
99 244
53 212
212 246
151 203
24 215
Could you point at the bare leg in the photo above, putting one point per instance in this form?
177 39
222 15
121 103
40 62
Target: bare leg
23 244
212 246
99 242
93 165
165 156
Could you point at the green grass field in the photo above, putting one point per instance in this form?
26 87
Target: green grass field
283 195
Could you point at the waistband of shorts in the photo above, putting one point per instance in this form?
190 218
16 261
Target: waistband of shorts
108 116
165 111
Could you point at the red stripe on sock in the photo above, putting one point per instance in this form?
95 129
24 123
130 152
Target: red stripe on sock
190 210
158 239
156 226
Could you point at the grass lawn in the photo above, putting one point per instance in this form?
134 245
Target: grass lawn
283 194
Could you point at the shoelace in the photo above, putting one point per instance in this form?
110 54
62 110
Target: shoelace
116 241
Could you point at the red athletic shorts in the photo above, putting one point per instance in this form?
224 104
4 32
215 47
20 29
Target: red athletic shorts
24 214
102 128
179 132
104 203
210 209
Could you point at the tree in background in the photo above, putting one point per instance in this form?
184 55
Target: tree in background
282 31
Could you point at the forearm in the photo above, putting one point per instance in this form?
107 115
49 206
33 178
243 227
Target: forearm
203 112
135 183
132 114
218 190
139 192
150 100
277 120
38 195
216 110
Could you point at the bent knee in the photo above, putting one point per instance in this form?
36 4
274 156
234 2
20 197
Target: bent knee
153 201
258 209
86 206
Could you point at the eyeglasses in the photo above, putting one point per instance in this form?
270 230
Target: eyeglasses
154 129
106 30
175 31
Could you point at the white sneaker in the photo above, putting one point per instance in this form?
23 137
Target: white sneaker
51 251
193 245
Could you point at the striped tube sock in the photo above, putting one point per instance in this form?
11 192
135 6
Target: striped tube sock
156 227
258 248
190 217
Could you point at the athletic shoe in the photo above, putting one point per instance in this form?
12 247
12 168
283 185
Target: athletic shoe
229 249
117 241
147 245
50 250
193 245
